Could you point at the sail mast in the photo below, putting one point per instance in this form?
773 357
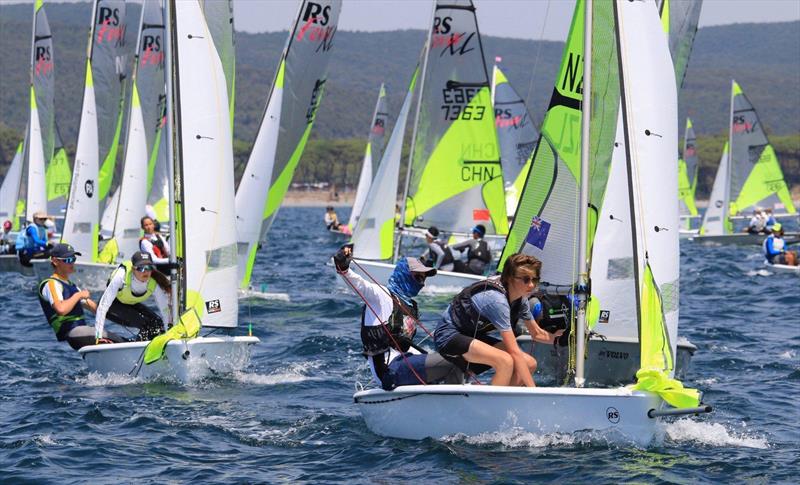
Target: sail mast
414 132
170 146
583 204
727 200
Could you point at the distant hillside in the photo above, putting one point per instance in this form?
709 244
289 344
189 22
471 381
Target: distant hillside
764 58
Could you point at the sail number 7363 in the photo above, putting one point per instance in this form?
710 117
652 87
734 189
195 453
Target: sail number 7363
456 104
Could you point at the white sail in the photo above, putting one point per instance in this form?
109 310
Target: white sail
208 232
650 116
373 236
717 210
372 156
9 190
131 196
109 216
36 200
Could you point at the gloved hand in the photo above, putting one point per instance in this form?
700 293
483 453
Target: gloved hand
343 257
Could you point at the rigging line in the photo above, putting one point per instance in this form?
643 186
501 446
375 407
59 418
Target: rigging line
385 329
538 53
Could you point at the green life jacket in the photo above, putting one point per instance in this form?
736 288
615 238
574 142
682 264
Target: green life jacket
61 324
125 295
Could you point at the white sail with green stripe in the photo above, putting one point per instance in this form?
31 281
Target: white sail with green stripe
373 235
756 178
516 134
372 156
285 127
100 127
59 176
455 179
679 19
219 16
688 167
9 189
715 219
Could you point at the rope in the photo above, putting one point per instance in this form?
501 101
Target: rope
383 325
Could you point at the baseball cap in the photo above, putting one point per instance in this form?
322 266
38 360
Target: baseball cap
416 266
63 250
140 258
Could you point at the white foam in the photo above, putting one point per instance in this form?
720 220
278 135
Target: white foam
297 372
44 440
515 438
759 272
95 379
789 354
708 382
714 434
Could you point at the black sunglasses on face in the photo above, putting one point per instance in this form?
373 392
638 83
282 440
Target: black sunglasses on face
142 269
527 279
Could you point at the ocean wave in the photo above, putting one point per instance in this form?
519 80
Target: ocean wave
95 379
296 372
715 434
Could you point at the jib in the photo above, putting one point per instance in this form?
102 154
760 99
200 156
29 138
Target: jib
108 16
313 11
441 25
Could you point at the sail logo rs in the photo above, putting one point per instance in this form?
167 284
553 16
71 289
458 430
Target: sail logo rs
315 29
44 63
109 27
741 125
151 50
213 306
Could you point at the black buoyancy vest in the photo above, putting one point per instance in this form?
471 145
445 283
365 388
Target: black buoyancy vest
448 255
467 319
61 324
375 339
481 252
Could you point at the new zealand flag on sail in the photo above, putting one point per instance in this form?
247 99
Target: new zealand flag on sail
537 234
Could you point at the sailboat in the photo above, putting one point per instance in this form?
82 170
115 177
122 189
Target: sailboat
203 243
633 61
749 177
372 157
455 177
688 168
38 145
9 207
98 142
516 135
284 130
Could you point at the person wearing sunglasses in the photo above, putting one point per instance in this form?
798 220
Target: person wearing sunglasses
63 302
130 285
462 335
388 325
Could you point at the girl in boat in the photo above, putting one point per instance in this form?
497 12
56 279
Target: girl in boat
462 336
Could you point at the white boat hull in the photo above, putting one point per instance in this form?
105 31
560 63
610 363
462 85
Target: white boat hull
445 282
609 362
185 360
438 411
782 268
9 263
87 276
743 238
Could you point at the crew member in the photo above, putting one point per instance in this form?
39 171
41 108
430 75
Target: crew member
388 325
438 253
154 244
331 219
478 253
495 303
6 246
63 302
130 285
775 248
32 244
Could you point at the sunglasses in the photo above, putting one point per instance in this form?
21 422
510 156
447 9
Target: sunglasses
69 260
420 277
144 268
527 279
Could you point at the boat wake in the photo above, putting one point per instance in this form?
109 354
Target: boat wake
297 372
95 379
759 272
715 434
517 438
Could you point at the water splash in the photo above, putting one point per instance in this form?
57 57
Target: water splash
296 372
715 434
96 379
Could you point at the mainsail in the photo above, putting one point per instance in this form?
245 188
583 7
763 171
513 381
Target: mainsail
715 219
455 179
372 155
219 17
205 232
9 190
59 175
687 172
516 134
373 235
100 126
285 126
679 19
756 179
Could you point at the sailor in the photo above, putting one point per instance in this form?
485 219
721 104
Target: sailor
154 244
478 253
756 224
388 325
63 302
331 219
495 303
6 246
130 285
32 244
438 253
775 248
770 220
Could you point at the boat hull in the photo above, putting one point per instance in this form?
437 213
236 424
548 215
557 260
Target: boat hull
445 282
187 360
87 276
745 239
9 263
609 362
783 268
438 411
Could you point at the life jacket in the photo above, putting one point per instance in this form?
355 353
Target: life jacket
125 295
555 316
61 324
448 255
466 318
24 242
374 338
481 252
777 245
159 249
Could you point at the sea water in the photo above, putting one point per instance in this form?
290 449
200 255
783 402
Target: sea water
290 417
